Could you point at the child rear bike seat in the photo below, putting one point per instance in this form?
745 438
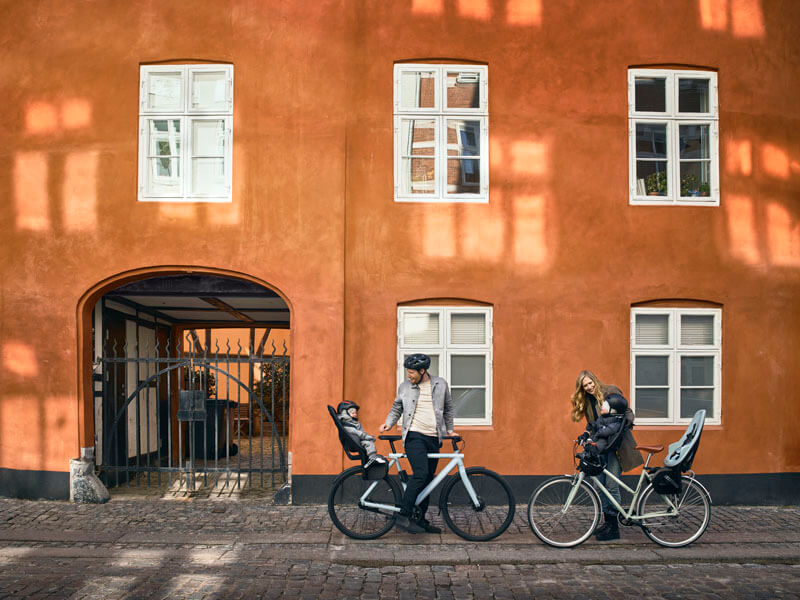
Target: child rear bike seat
681 454
354 450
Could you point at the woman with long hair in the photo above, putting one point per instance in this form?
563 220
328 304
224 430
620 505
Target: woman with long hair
587 399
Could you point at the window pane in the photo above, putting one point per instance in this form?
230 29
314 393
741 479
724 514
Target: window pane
209 90
463 138
164 162
651 177
164 91
652 329
417 89
420 328
470 403
463 89
165 137
434 368
468 370
694 400
696 178
694 141
652 370
651 94
651 140
417 176
463 176
208 138
164 177
208 176
417 137
651 403
697 370
693 95
468 328
697 330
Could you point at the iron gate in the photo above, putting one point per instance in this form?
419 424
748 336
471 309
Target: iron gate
193 420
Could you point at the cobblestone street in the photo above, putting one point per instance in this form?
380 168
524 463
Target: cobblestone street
140 548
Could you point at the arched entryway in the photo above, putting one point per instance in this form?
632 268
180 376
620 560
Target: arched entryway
190 377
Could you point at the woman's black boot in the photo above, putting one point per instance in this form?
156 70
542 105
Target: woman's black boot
609 530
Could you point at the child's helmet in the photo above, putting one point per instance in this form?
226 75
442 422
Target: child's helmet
346 405
417 362
617 404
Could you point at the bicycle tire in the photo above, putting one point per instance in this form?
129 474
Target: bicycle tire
491 518
563 529
353 520
694 514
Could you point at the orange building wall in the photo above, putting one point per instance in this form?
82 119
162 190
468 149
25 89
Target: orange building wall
558 251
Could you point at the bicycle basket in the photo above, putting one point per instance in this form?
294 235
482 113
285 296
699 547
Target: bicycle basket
667 481
589 463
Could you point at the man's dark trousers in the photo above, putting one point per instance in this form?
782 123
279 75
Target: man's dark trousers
417 447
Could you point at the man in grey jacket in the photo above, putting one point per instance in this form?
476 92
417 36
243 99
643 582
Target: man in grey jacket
427 409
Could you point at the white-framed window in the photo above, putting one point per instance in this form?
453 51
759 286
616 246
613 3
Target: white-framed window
676 364
185 131
459 342
441 133
673 133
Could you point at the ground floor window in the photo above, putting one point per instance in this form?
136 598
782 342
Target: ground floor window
459 341
676 364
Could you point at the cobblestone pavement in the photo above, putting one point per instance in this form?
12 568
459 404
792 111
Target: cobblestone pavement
144 548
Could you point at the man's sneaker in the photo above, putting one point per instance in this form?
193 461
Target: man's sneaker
410 526
427 527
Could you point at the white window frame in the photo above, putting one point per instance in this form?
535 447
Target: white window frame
440 114
674 350
186 114
673 120
445 350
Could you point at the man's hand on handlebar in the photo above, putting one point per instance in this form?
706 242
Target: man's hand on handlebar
383 428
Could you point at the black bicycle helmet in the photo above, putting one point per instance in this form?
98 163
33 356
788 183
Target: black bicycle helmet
417 362
346 405
617 404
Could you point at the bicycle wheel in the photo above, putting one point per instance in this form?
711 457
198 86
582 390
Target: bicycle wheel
494 512
688 524
350 516
555 526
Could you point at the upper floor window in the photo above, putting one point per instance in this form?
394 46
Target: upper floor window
185 124
441 131
673 137
676 362
459 342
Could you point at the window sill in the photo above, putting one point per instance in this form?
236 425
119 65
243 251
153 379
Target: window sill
473 427
216 200
663 202
673 427
481 200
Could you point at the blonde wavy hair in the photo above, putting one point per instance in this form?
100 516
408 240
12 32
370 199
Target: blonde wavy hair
578 398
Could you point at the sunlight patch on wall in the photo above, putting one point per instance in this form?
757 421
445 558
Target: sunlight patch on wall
20 359
475 9
427 7
440 231
714 14
76 113
41 117
747 18
30 191
739 157
46 438
177 211
524 12
529 157
530 227
742 236
483 232
80 191
775 161
783 235
496 156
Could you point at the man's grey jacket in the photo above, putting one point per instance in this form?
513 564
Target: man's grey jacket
406 403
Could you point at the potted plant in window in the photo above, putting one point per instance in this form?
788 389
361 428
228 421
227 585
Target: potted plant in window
704 190
656 184
690 186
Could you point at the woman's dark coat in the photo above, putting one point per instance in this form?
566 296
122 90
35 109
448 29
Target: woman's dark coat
627 454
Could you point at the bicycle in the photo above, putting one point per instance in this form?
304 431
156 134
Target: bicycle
477 504
672 509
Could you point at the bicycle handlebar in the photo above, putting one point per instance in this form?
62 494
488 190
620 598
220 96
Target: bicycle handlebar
395 438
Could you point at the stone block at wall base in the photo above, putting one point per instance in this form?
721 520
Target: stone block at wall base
84 486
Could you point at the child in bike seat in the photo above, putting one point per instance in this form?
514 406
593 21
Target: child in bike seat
603 433
348 415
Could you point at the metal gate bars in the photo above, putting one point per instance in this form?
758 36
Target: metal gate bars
193 422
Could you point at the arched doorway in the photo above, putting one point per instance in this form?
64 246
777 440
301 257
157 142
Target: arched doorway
190 377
